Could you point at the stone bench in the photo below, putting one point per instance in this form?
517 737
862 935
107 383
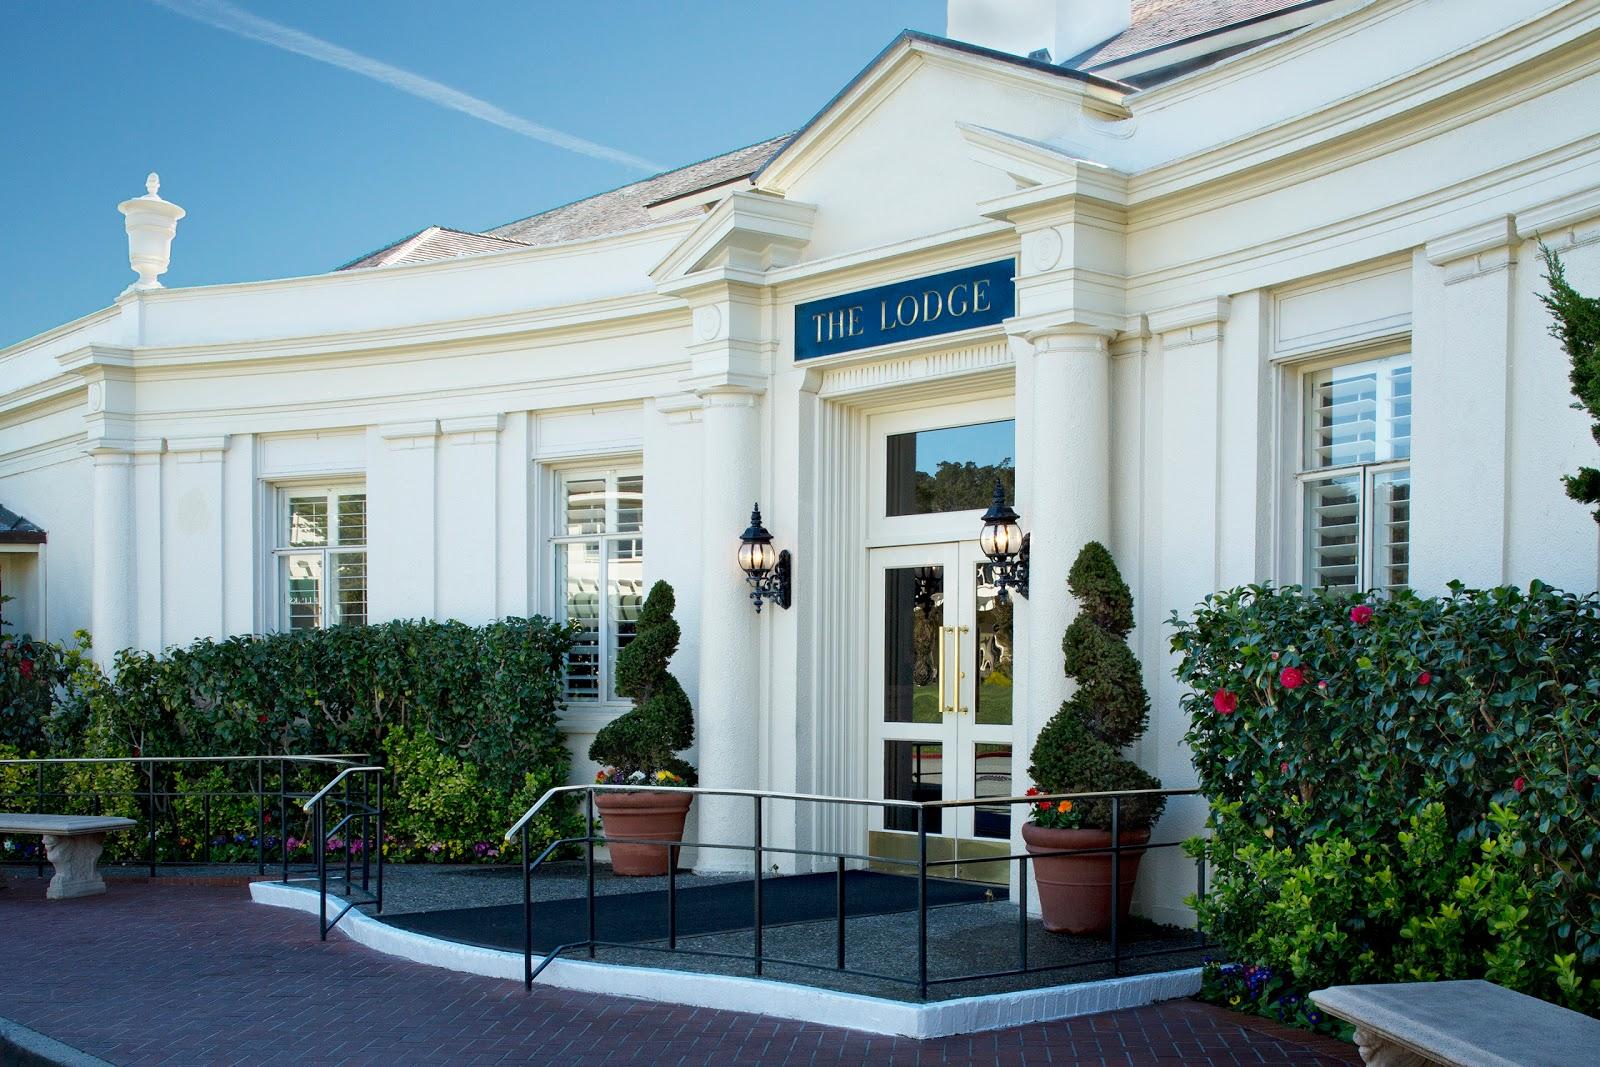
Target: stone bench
1467 1023
73 844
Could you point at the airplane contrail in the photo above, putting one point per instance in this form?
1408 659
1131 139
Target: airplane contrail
233 19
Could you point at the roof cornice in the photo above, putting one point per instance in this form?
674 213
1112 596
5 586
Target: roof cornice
747 232
1489 73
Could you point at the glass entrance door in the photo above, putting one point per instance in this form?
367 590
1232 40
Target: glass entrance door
943 663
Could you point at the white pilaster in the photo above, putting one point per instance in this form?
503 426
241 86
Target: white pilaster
467 519
1464 286
112 571
402 499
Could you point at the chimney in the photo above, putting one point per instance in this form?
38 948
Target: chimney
152 223
1063 28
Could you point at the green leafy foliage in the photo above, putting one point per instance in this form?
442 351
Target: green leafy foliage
30 674
1080 749
647 739
1577 327
475 707
1402 790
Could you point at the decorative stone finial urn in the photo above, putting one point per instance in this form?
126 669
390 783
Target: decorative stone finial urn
152 223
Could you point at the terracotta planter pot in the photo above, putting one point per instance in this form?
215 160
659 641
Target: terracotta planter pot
1075 891
651 816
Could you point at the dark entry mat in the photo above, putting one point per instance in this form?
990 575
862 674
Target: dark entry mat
637 917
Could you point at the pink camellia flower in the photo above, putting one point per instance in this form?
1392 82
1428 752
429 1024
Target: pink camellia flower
1283 768
1424 678
1322 684
1225 702
25 668
1291 678
1520 784
1361 614
1275 657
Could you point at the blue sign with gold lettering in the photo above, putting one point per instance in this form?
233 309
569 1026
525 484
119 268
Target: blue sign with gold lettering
905 311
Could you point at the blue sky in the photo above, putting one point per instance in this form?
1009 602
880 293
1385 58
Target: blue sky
291 166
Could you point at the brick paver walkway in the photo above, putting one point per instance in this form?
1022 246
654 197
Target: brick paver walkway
164 973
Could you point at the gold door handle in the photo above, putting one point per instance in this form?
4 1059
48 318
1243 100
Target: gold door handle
945 706
961 675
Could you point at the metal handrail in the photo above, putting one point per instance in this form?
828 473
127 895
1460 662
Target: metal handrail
823 798
759 848
325 757
316 798
365 809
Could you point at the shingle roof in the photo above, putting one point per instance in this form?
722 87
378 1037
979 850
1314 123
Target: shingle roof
1158 23
617 211
624 209
16 530
431 243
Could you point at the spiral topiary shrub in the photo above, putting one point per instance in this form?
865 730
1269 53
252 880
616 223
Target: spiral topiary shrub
647 739
1080 748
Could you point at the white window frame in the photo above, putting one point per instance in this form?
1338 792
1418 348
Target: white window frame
884 529
279 536
612 472
1299 377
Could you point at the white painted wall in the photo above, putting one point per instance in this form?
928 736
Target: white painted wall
1375 181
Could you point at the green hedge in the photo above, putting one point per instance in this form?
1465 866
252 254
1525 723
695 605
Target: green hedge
465 718
1404 789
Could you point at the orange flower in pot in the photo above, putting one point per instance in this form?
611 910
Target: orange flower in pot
1080 751
641 746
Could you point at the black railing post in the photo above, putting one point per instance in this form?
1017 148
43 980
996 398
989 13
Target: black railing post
38 809
922 903
588 871
379 830
758 862
150 799
1200 893
205 812
838 909
366 832
349 824
1022 913
527 911
283 814
261 822
672 897
322 869
1116 883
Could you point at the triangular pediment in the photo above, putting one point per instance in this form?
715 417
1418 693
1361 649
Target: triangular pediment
889 159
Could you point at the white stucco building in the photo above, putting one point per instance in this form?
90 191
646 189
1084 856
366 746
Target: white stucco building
1245 289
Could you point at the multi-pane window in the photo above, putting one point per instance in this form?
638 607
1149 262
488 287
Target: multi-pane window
599 569
1356 475
320 551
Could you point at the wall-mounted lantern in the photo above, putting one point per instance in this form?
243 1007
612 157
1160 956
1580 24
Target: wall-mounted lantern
767 570
1003 541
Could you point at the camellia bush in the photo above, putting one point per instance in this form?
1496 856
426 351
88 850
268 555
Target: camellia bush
1402 789
465 718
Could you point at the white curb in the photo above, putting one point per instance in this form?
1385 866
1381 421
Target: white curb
763 996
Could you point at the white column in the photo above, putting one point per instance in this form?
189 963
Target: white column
1068 501
112 590
730 652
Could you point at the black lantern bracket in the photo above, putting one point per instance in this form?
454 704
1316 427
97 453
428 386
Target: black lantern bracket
776 585
1013 574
